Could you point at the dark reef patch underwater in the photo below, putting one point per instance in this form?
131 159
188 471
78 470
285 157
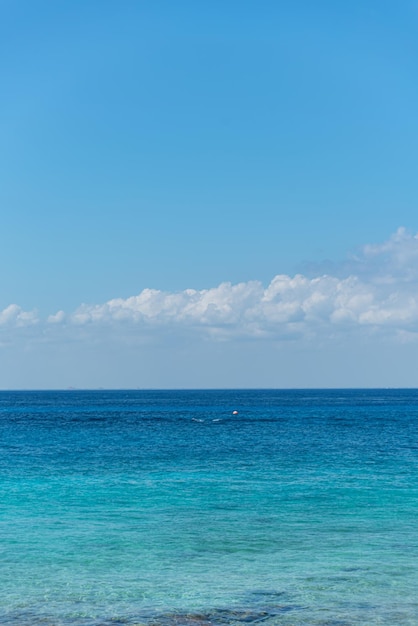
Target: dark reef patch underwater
166 508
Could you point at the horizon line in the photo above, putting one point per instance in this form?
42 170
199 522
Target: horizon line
69 389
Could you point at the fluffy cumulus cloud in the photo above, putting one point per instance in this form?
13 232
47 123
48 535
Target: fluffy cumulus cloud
378 294
14 316
287 306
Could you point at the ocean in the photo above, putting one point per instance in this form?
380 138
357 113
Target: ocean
167 508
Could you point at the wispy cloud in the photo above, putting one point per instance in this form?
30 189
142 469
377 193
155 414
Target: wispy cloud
376 290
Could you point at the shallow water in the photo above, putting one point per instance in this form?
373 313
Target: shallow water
162 507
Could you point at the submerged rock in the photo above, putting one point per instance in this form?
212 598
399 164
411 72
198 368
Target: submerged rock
218 617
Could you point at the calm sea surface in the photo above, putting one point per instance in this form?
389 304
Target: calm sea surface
163 507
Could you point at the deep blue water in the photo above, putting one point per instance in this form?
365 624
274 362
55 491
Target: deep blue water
162 507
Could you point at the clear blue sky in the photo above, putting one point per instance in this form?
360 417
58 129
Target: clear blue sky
180 145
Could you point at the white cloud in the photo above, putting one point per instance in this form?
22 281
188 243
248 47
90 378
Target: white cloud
56 318
393 260
14 315
354 326
380 294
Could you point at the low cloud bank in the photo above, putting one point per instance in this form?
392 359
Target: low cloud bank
380 293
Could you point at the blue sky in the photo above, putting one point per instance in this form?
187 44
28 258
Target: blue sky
155 151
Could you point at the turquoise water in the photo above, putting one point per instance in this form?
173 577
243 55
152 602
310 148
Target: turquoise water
143 507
